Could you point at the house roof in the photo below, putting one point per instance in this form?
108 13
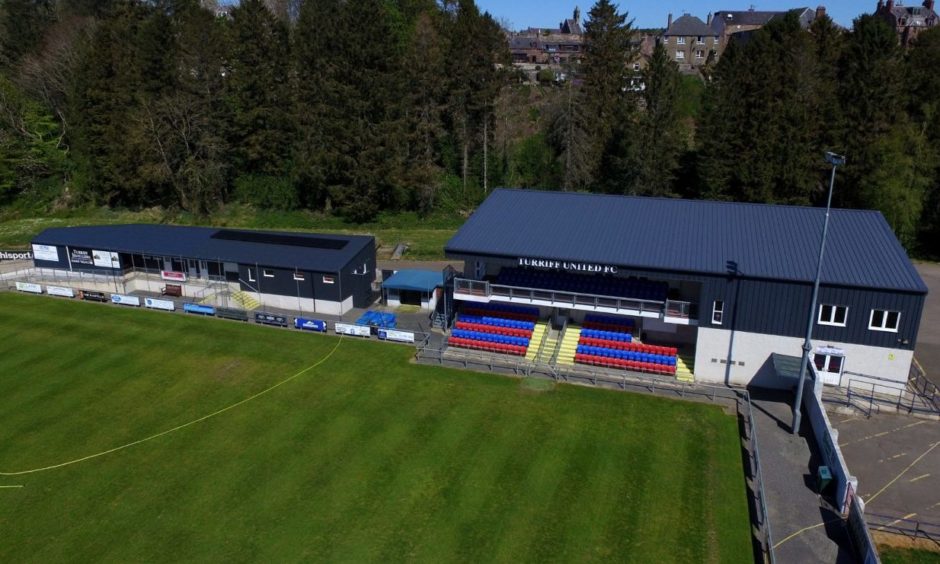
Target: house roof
672 235
280 249
726 18
415 280
915 15
688 25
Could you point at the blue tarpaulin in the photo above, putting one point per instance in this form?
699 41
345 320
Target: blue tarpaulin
415 280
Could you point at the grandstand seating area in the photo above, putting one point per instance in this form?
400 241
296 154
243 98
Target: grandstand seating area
614 347
581 284
494 327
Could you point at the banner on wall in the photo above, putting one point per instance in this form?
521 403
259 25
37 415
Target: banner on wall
27 287
60 291
92 296
231 313
121 299
81 256
46 252
165 305
106 259
173 276
400 336
15 255
355 330
199 308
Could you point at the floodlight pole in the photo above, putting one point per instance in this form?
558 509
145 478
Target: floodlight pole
835 160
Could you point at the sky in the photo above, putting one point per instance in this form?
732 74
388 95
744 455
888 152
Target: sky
549 13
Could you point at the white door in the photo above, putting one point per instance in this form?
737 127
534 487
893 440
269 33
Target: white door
829 366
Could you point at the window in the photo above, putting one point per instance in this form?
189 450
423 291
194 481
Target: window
680 55
665 40
700 40
251 275
299 276
681 40
828 363
883 320
329 280
832 315
718 312
699 54
636 66
267 272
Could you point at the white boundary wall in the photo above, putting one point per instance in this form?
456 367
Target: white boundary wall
754 351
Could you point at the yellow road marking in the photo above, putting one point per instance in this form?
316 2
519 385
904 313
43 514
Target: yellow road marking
179 427
919 477
898 477
804 529
895 522
883 433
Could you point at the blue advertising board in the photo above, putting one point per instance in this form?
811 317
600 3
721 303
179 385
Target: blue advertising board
199 308
310 324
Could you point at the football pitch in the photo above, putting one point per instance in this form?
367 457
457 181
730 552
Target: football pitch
362 457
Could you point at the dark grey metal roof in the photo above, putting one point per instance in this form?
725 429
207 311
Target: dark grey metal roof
689 26
766 241
303 251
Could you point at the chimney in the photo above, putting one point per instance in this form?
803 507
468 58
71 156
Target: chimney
577 14
820 12
669 21
881 6
890 5
709 19
928 4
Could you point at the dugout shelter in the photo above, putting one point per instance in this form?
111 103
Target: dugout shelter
726 284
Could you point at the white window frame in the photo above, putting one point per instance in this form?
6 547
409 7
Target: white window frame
327 279
718 309
831 320
699 54
680 55
884 321
827 363
300 277
665 40
680 41
251 275
700 40
267 272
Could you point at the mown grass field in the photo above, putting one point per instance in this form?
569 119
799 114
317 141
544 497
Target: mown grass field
895 555
365 458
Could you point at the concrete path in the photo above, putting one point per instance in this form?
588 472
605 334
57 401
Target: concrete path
927 351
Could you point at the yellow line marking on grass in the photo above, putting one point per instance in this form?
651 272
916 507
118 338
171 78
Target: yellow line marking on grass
919 478
883 433
179 427
898 477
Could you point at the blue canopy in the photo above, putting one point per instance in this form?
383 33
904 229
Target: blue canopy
415 280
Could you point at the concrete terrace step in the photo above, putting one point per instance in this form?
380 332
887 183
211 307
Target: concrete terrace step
536 340
569 345
245 300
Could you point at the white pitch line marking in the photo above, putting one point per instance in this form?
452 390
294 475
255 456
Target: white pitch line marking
919 477
10 487
895 522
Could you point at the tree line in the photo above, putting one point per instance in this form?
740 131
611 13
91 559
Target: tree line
385 105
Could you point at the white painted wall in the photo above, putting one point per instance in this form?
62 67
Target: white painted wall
754 350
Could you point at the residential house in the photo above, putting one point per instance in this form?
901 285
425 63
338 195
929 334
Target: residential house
548 46
741 25
908 21
689 41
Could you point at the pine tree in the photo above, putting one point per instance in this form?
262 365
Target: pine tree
924 108
22 26
659 134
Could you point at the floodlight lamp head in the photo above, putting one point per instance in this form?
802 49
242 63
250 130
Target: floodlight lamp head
835 159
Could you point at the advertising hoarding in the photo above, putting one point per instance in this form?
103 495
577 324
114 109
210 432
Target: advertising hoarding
199 308
173 276
15 255
305 324
231 313
271 319
355 330
46 252
165 305
393 335
92 296
81 257
121 299
27 287
60 291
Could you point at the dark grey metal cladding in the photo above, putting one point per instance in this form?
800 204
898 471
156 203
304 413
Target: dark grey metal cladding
766 241
780 308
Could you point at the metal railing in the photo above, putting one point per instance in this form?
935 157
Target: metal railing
867 397
919 383
558 298
681 309
911 528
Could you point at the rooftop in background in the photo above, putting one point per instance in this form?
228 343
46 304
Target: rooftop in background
766 241
734 20
415 280
305 251
689 26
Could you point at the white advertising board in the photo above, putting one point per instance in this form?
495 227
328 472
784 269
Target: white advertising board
173 276
46 252
356 330
125 300
400 336
106 259
166 305
27 287
60 291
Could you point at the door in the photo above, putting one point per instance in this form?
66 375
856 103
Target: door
829 364
192 267
204 268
